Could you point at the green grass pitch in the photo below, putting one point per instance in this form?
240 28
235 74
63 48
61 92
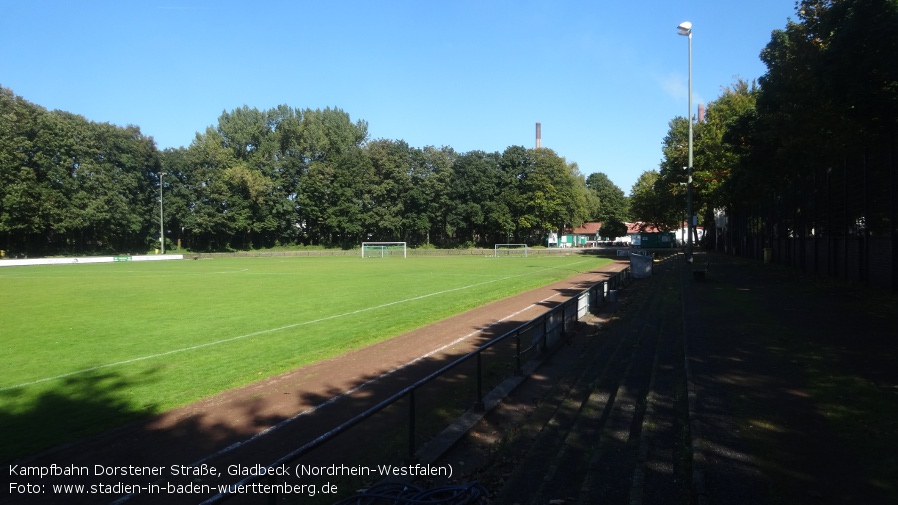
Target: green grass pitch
89 347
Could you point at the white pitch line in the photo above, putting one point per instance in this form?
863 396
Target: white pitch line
248 335
361 386
333 399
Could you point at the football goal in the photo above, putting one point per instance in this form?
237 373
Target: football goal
511 250
383 249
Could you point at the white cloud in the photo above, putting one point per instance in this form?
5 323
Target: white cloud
675 85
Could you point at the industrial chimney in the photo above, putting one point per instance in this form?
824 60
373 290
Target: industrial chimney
538 136
701 113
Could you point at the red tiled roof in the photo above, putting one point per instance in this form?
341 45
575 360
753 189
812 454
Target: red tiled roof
635 228
588 228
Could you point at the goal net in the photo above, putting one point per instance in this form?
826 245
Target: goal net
511 250
383 249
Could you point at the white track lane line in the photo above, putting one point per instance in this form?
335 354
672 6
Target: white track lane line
333 399
275 427
248 335
366 383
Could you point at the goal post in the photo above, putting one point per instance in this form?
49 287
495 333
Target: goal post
383 249
511 250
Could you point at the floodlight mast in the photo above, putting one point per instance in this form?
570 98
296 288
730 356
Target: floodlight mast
685 29
161 221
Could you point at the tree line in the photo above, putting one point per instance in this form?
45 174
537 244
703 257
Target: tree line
807 150
267 178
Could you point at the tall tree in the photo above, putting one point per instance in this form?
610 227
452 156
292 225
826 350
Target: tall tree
319 142
349 211
474 192
715 157
854 63
427 199
652 204
612 205
70 184
392 166
552 194
264 177
211 224
26 204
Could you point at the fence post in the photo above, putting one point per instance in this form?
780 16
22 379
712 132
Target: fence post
563 332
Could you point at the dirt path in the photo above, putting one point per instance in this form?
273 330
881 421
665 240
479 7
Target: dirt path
788 397
256 424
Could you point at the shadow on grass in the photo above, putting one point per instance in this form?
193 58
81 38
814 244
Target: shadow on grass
240 428
246 427
795 388
74 407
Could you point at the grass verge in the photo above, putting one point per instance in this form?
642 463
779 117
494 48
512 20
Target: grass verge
89 347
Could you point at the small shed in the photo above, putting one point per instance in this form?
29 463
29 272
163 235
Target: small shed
573 240
649 237
657 240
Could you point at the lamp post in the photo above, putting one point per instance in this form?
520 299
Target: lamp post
685 29
161 222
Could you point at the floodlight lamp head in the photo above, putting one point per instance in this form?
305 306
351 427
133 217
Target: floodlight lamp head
685 28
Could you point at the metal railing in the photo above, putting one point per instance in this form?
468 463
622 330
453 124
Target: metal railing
544 332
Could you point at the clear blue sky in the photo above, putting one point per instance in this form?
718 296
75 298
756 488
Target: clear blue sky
603 77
